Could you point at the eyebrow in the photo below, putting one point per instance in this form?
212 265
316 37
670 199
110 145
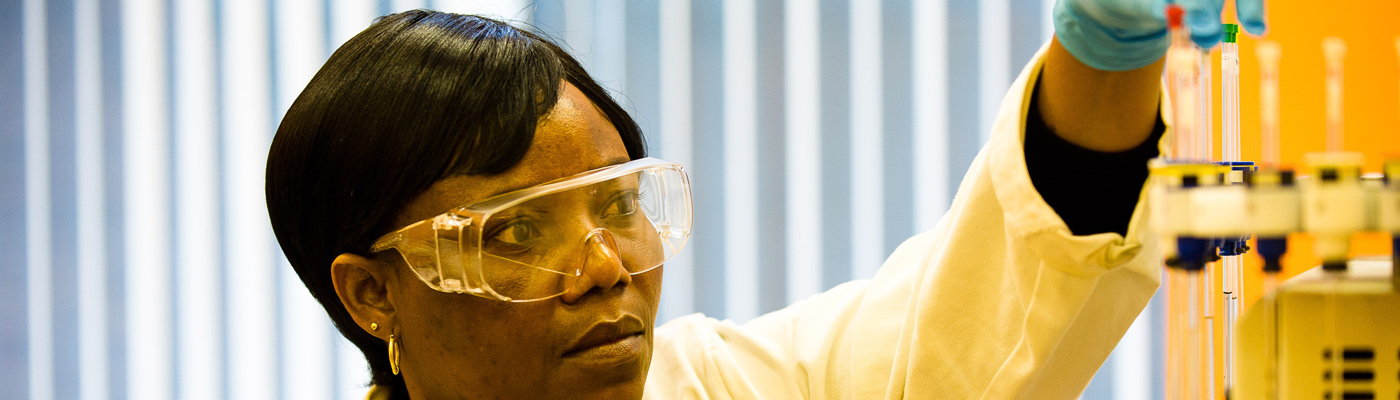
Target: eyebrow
615 161
607 162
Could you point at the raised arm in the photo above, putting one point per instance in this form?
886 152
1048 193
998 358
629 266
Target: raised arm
1100 86
1107 111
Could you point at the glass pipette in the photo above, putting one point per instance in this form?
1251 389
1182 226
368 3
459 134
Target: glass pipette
1334 50
1268 54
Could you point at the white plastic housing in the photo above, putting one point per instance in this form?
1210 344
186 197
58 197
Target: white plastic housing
1178 222
1219 211
1388 210
1332 212
1274 211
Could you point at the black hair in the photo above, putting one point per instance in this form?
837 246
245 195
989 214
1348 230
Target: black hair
417 97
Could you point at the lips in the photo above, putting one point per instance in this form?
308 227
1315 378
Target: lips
607 333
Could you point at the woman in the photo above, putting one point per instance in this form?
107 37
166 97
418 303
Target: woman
478 216
389 133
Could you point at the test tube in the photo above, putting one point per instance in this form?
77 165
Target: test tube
1268 54
1334 50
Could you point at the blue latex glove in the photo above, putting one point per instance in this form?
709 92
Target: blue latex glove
1119 35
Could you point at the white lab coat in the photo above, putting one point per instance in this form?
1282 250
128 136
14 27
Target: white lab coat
999 301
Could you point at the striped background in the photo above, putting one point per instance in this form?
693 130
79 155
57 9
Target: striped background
140 264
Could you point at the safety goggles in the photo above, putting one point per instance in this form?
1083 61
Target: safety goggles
533 243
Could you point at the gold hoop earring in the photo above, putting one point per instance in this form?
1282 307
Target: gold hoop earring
393 355
374 326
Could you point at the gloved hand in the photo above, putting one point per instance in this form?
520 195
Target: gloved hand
1119 35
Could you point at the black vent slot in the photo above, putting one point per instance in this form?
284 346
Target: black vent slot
1358 354
1352 354
1352 396
1366 375
1352 375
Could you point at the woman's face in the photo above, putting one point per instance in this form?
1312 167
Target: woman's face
593 345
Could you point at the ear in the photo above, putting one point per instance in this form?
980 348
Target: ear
362 286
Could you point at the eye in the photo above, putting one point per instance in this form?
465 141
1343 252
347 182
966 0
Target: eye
516 234
621 204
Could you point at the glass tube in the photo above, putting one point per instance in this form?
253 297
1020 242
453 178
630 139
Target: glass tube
1230 101
1205 107
1268 54
1229 151
1207 328
1334 50
1270 348
1194 351
1230 311
1182 73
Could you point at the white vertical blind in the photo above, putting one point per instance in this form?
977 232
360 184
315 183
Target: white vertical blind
867 137
607 58
931 172
405 5
511 10
348 18
36 190
578 30
740 160
803 104
212 310
246 132
678 296
92 206
994 60
199 339
146 153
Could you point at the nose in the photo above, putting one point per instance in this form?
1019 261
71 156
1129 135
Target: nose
602 267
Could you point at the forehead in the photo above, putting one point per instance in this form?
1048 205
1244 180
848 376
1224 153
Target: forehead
574 137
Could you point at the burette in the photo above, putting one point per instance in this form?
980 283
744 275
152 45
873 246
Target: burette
1183 73
1267 54
1229 152
1272 241
1334 52
1205 130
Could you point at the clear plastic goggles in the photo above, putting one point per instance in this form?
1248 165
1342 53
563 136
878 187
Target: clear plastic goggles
532 244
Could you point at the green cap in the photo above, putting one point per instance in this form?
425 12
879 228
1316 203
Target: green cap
1230 31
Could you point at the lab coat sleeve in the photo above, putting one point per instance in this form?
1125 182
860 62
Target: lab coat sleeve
999 301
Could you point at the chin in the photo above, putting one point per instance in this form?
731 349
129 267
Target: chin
618 382
628 391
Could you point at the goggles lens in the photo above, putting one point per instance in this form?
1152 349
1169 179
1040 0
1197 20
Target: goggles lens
530 244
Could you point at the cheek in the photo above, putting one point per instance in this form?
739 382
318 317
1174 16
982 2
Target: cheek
649 284
460 343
